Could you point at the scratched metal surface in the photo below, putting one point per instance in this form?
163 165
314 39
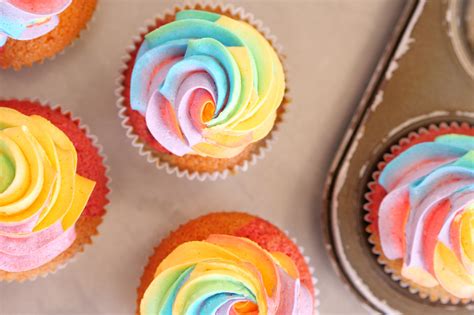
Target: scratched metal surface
428 85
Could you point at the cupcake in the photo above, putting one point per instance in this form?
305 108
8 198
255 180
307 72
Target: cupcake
202 91
421 213
33 30
53 189
226 263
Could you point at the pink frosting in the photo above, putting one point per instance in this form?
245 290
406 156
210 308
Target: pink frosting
42 196
29 19
296 297
430 191
22 249
40 7
34 252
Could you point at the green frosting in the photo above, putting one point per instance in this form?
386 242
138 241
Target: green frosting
7 169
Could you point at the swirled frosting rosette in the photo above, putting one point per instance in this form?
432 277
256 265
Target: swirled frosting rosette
423 212
227 263
42 196
29 19
202 90
207 84
226 275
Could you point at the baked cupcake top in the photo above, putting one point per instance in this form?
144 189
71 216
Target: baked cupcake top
29 19
427 216
207 84
41 194
226 275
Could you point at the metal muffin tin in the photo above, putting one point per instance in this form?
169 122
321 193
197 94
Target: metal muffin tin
460 17
418 81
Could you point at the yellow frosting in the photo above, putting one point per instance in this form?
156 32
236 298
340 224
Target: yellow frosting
226 275
171 84
45 181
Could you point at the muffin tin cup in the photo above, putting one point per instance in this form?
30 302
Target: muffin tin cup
386 279
373 200
74 255
261 148
66 48
402 96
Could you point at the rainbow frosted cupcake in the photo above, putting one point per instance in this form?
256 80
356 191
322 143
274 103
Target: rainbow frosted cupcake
33 30
202 91
421 213
53 189
226 263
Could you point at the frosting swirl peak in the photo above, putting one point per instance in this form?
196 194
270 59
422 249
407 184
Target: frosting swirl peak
41 195
427 216
207 84
226 275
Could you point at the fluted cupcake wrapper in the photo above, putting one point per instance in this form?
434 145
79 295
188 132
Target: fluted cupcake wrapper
65 48
259 149
394 267
86 227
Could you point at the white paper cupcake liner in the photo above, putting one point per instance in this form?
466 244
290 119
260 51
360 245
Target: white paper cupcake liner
66 48
424 293
264 146
100 150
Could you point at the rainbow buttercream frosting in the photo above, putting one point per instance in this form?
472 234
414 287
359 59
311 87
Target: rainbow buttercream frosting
41 195
29 19
427 216
207 84
226 275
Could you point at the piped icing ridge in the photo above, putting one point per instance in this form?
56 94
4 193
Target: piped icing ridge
29 19
207 84
226 275
427 217
41 195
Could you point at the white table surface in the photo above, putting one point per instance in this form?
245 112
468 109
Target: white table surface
333 46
